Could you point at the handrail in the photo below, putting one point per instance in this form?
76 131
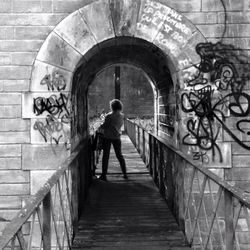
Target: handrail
54 204
213 213
237 192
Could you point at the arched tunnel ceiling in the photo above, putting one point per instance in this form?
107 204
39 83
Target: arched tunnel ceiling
132 51
101 21
105 32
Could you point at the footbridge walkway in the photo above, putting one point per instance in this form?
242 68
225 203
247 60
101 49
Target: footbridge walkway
127 214
168 202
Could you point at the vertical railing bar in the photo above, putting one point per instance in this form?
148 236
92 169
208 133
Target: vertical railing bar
138 138
161 169
154 159
31 230
53 205
64 219
193 227
229 220
144 145
134 133
247 217
21 239
216 218
237 244
55 227
55 194
213 216
236 218
150 164
57 216
181 167
190 191
203 206
186 214
190 222
40 224
70 183
63 237
188 202
68 197
60 186
198 225
199 205
47 222
64 183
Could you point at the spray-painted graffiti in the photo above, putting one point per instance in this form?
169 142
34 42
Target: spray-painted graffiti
171 30
55 81
200 156
52 130
213 94
55 128
57 106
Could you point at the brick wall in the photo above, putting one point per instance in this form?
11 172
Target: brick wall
24 25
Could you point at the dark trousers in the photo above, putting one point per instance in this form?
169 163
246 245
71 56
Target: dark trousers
118 152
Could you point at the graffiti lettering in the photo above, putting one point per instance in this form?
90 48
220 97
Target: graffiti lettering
201 156
55 128
209 97
54 82
157 14
244 126
54 105
52 130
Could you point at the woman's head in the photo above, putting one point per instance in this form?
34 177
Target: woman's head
116 105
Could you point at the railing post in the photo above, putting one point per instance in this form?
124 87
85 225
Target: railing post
229 217
150 141
161 166
139 141
181 175
170 178
143 146
47 222
154 160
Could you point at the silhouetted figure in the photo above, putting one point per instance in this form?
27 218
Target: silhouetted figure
112 135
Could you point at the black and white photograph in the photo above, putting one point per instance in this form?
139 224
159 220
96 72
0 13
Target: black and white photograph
125 124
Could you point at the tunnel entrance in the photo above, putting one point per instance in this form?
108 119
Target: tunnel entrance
130 51
145 34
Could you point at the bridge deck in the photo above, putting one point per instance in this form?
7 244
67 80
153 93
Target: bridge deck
127 214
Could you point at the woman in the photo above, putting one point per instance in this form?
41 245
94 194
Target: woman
112 135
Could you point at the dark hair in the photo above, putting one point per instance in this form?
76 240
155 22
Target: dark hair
116 105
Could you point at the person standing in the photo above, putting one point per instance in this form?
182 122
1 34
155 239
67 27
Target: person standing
111 128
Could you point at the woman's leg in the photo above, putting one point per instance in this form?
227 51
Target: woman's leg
105 157
118 152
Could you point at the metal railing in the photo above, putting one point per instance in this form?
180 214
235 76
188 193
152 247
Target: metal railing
212 213
49 218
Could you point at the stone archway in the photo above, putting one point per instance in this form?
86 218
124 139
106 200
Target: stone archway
79 37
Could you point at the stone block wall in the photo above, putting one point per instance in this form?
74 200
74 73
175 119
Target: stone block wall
24 25
226 22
